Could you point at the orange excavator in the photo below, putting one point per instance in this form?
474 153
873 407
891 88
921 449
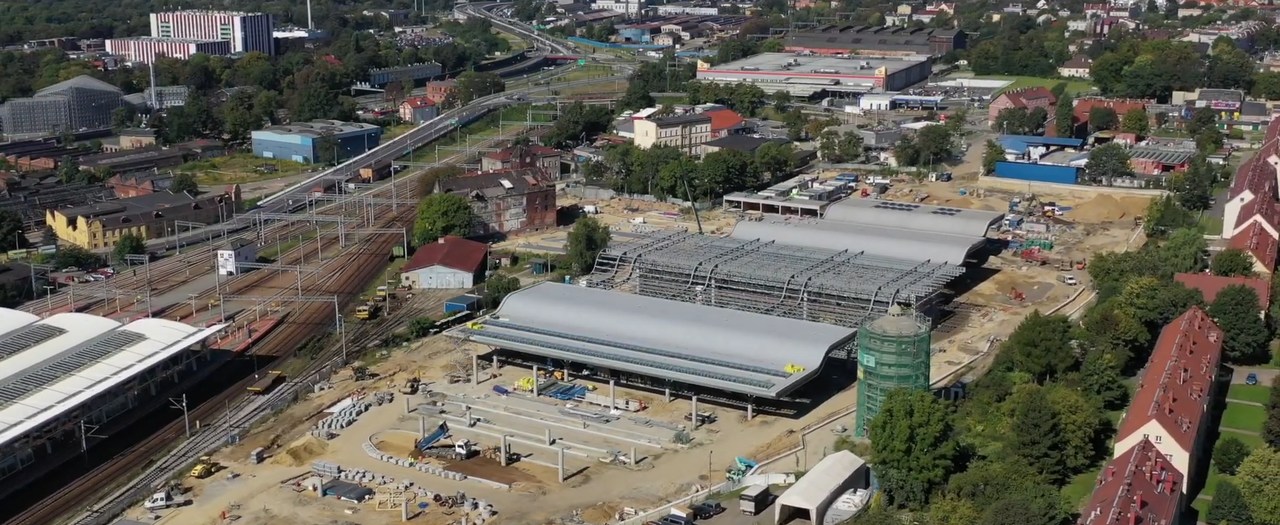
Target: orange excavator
1017 295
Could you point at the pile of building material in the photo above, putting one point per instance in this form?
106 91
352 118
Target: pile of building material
373 452
357 475
345 416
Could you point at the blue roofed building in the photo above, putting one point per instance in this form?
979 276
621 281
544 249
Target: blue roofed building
318 141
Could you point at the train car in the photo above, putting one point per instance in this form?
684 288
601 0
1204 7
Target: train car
266 382
375 172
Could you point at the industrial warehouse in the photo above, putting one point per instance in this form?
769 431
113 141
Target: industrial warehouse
71 372
804 75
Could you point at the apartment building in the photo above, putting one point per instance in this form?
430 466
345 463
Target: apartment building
686 132
246 31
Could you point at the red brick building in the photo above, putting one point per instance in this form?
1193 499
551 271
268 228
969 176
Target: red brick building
517 157
1025 98
437 91
506 201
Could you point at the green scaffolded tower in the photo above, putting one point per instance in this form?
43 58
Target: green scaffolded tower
893 352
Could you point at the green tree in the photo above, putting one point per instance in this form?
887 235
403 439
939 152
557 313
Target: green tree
442 214
69 170
1229 68
776 159
990 480
913 445
1040 346
1271 427
497 287
1107 162
588 238
1082 425
472 85
576 123
1100 376
1033 505
1064 117
11 233
1259 483
1232 262
1012 121
1236 311
992 154
1102 118
129 244
421 327
1036 433
1266 85
951 510
184 182
75 256
1228 506
781 100
1228 453
1202 119
1135 121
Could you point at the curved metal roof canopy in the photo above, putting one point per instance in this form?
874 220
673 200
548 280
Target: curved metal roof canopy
711 347
912 216
908 245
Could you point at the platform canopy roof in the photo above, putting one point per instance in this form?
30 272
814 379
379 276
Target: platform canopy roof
710 347
913 216
896 243
48 367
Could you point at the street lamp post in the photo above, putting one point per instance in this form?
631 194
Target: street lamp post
48 295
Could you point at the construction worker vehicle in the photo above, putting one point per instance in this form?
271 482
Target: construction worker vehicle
411 386
362 373
204 467
165 499
426 447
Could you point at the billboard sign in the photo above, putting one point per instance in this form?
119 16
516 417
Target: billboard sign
226 262
1224 104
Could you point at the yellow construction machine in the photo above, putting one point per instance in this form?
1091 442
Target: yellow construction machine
204 467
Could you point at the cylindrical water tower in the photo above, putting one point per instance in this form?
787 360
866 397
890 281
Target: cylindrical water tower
893 352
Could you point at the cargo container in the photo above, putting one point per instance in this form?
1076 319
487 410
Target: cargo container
1038 172
462 303
754 499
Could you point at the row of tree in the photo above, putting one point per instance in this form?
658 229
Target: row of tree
666 171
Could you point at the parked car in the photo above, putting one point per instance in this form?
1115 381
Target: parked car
707 509
672 519
1251 379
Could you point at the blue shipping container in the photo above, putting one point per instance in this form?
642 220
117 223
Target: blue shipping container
462 303
1038 172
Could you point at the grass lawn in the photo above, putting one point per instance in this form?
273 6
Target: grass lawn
393 274
585 72
1254 393
1211 483
391 132
1073 86
240 169
1248 439
1244 417
1080 487
1211 223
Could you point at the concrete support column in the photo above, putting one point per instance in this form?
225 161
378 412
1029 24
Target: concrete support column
495 364
560 463
404 510
633 456
535 380
548 436
667 393
470 422
406 404
694 407
422 426
613 400
475 369
502 448
750 411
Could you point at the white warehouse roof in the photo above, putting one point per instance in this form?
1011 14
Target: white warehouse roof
48 367
700 345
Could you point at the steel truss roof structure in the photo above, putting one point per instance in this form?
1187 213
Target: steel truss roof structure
842 288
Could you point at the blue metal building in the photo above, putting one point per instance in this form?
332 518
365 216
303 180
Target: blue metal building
318 141
1038 172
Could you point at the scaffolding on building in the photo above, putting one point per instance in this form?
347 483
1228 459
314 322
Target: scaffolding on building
841 288
893 353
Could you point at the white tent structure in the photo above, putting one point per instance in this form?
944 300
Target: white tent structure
810 497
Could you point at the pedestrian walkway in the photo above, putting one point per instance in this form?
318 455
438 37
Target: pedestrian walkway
1243 402
1242 431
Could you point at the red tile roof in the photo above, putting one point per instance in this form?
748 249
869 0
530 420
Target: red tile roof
723 119
1258 242
1021 98
1173 388
506 154
1120 106
1210 285
451 252
420 102
1138 487
1261 209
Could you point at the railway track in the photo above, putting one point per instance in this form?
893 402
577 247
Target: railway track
344 276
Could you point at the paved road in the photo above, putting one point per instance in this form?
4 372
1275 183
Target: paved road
1265 375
